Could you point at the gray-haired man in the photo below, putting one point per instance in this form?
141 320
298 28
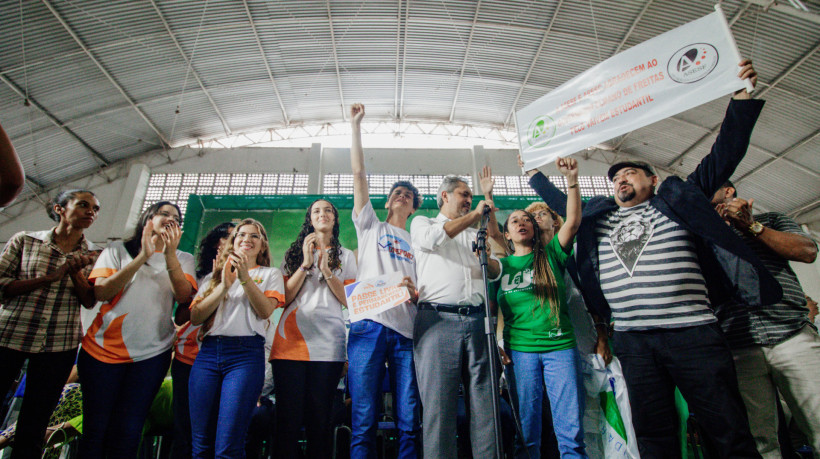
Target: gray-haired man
449 338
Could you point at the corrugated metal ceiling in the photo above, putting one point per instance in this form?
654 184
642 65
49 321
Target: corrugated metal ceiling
178 71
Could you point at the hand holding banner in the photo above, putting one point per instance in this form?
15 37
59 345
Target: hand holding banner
370 297
673 72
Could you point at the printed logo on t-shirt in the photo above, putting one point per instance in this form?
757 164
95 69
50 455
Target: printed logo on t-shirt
517 281
629 239
397 247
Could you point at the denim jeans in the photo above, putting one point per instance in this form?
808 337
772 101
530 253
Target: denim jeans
369 345
225 382
559 372
47 372
696 360
116 400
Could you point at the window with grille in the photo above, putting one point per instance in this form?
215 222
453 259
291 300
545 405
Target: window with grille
177 187
380 184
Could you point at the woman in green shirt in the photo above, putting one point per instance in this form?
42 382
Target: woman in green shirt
538 334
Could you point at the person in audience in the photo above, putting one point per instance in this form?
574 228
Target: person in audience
655 263
538 335
384 248
43 283
449 336
227 375
127 349
187 342
308 351
775 347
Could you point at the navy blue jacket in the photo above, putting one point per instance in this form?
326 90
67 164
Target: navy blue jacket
729 266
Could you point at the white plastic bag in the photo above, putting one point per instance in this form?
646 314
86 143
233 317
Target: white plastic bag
608 431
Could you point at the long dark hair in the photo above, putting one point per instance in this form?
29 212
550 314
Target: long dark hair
134 243
209 246
294 255
546 286
62 199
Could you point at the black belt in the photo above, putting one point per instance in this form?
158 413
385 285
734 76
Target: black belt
452 308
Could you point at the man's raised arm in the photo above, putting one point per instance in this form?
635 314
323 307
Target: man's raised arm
361 194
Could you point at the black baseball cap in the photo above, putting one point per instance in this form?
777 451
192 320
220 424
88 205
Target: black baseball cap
636 164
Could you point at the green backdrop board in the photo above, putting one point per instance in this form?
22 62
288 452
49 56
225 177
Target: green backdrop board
282 216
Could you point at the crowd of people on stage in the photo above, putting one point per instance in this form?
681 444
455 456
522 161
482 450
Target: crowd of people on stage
693 289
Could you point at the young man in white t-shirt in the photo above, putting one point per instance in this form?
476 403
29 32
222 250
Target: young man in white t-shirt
384 247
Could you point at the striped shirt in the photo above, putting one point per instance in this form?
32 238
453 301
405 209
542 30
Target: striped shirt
46 319
771 324
649 271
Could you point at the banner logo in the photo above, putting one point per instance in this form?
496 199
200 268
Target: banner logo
541 131
692 63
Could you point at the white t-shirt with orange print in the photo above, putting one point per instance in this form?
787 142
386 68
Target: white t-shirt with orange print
137 323
235 315
312 328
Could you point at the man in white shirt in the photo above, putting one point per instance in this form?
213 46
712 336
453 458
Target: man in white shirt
384 248
449 337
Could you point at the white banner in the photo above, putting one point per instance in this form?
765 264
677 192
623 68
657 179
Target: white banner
372 296
671 73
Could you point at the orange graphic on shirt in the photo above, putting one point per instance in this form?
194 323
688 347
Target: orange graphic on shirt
289 344
113 349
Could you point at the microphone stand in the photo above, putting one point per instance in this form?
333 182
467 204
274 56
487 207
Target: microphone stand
480 247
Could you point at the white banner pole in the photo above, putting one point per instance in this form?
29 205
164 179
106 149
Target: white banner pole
749 88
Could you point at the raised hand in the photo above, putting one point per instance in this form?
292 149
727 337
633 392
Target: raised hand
568 167
487 181
242 264
323 263
483 204
356 113
149 240
747 71
408 282
228 273
529 172
171 237
738 212
308 246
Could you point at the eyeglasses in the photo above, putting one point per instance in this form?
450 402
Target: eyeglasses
165 214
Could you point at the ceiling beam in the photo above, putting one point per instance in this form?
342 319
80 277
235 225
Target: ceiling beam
804 209
739 14
193 71
265 61
786 9
781 155
464 61
532 63
404 58
336 60
98 157
398 61
105 72
759 94
632 27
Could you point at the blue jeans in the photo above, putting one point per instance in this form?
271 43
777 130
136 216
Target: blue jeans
225 383
560 373
370 344
116 400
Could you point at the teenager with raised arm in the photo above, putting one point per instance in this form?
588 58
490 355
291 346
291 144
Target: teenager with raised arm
127 349
538 335
387 337
233 308
308 352
43 283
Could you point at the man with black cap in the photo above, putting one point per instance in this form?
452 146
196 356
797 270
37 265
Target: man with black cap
653 261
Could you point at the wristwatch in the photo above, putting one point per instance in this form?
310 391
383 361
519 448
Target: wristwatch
756 229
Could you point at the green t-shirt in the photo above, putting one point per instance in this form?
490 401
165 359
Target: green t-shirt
528 326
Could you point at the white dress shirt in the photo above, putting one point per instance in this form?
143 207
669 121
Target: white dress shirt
448 271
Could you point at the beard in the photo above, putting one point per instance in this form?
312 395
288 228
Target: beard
627 195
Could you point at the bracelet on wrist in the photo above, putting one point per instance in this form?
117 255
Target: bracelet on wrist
244 281
304 269
572 186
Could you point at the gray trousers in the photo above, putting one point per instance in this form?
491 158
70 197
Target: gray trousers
449 349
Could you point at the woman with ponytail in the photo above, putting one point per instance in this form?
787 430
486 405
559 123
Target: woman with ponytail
43 283
233 309
538 336
127 349
308 351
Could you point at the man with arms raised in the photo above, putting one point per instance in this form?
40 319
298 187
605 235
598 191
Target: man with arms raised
449 336
655 264
384 248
